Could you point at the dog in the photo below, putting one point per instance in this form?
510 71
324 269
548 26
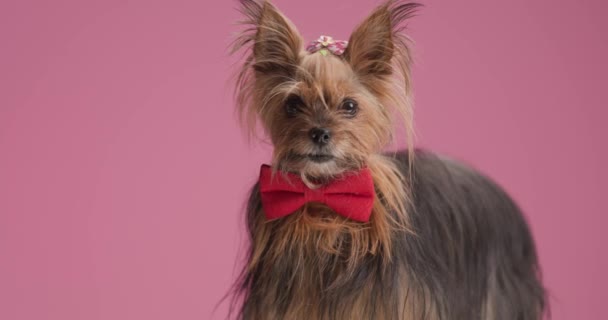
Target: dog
339 228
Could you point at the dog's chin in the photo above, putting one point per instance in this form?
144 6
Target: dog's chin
321 168
317 167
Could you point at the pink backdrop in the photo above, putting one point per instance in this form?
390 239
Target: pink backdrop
123 172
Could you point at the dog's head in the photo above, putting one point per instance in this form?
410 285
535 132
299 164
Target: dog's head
325 112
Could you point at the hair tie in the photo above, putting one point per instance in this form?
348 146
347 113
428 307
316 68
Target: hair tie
326 44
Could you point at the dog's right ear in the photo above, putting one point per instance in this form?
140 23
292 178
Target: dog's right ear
272 47
276 42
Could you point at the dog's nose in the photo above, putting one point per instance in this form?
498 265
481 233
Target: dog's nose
320 136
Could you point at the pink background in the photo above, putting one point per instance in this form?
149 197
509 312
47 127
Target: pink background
123 171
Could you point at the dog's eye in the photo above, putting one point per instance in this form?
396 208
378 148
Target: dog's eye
292 106
350 107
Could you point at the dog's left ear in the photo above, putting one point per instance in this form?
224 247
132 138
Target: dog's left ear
376 41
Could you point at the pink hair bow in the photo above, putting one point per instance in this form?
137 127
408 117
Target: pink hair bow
327 44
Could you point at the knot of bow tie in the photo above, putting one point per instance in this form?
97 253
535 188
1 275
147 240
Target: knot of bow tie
351 195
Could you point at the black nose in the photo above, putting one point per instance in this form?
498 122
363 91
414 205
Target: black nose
320 136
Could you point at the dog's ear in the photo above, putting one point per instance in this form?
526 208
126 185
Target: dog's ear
376 40
276 42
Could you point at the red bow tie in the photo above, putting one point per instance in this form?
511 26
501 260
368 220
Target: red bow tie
351 196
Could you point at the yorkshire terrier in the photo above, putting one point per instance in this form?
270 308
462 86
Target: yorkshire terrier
339 228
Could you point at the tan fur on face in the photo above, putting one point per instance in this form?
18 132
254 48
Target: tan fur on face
323 82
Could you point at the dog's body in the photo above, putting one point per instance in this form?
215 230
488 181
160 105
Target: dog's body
442 241
470 256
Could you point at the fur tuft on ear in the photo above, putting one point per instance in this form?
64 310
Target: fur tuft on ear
378 41
272 46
